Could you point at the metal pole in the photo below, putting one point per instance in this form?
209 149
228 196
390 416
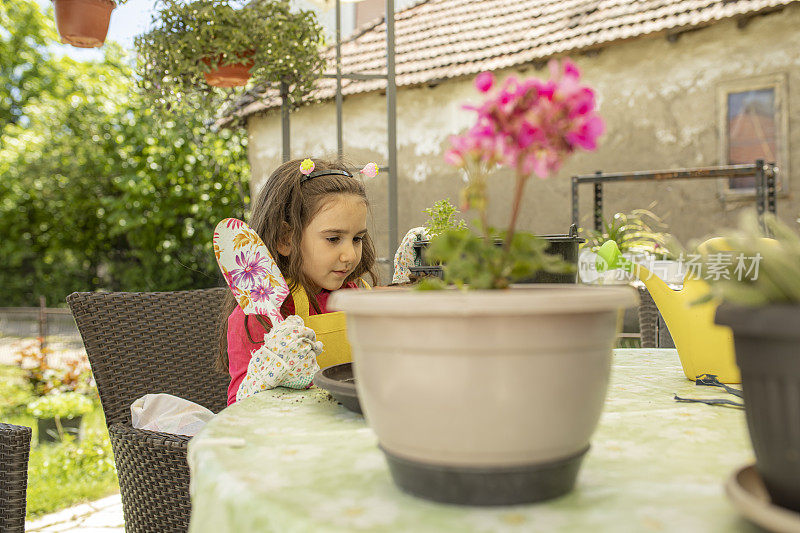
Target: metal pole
285 120
771 205
760 190
339 137
42 322
598 203
575 200
391 112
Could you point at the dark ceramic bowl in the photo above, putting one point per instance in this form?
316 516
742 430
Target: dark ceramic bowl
339 381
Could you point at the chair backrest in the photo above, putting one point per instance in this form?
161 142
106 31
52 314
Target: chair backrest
15 447
151 342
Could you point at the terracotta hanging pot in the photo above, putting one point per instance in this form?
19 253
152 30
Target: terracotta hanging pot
83 23
233 75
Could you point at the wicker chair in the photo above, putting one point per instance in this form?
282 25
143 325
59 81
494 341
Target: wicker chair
651 324
15 447
648 318
140 343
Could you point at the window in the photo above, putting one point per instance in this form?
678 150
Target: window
753 126
751 130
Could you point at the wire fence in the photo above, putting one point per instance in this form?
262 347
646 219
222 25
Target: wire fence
56 327
52 325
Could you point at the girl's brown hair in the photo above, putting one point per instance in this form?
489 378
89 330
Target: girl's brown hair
282 210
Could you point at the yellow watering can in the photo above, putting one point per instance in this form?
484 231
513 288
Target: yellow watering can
703 346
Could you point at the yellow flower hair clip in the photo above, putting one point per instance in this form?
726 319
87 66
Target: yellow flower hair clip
306 167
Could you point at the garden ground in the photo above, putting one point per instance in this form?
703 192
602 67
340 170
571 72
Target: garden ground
62 477
101 516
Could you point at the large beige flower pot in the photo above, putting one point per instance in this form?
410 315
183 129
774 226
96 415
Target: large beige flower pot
484 397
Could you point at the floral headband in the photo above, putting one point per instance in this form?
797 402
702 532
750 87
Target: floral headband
370 170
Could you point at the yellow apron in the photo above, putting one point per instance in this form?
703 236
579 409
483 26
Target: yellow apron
330 328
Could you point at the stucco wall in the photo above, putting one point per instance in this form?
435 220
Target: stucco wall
660 102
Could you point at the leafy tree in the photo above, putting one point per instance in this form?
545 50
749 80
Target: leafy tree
97 192
26 69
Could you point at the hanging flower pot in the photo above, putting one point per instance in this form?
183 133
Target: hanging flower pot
83 23
197 44
233 75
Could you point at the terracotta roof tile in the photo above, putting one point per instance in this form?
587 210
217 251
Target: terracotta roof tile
442 39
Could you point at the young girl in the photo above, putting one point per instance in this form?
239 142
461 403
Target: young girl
314 225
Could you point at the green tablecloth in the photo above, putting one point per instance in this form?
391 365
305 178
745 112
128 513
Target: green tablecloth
289 461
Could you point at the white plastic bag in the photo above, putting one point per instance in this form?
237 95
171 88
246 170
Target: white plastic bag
169 414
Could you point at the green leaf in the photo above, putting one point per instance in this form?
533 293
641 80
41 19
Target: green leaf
776 280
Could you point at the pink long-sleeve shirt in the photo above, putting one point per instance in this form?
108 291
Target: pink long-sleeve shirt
240 349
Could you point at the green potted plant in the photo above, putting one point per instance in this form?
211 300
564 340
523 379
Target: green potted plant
640 236
84 23
442 215
59 413
489 396
203 43
442 219
761 304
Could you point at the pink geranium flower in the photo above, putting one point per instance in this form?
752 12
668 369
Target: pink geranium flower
484 81
530 126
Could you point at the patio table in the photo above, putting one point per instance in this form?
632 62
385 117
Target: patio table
288 460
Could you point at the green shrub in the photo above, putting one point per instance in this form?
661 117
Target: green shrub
15 393
60 405
63 473
71 472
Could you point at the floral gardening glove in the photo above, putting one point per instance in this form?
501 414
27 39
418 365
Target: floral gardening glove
404 256
287 359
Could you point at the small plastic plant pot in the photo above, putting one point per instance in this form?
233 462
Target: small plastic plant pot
441 376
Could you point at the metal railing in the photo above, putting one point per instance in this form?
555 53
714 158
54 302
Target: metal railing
764 173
